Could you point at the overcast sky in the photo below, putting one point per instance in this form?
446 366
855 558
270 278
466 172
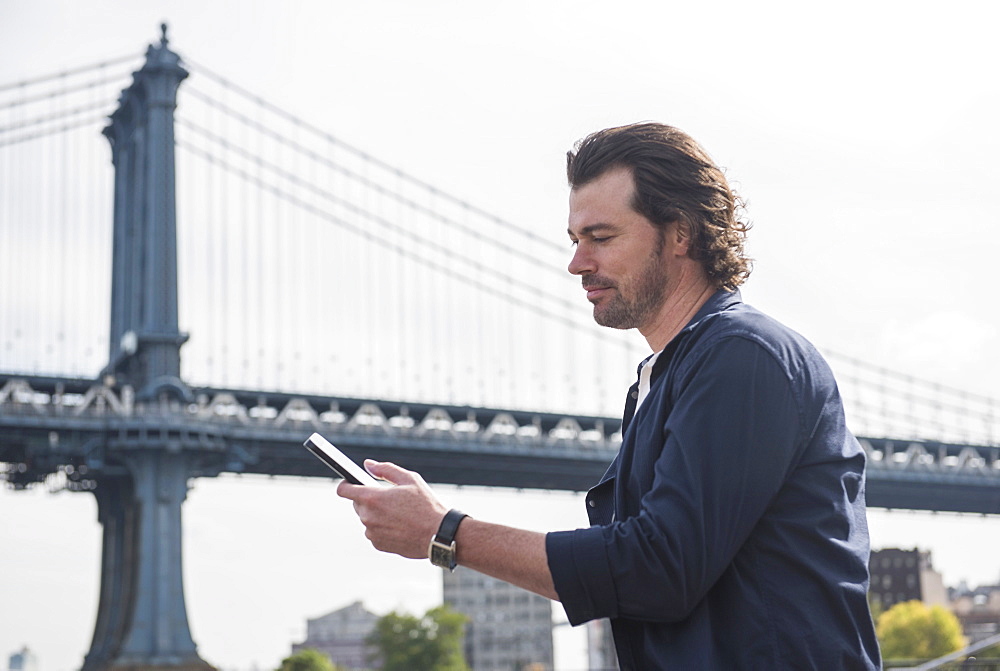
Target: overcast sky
863 136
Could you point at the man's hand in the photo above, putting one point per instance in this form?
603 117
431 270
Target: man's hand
404 518
400 519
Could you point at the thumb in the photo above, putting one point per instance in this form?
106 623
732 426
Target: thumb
386 470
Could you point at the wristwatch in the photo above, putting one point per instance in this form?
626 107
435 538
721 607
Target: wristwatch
442 548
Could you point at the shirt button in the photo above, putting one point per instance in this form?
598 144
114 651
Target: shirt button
592 503
634 394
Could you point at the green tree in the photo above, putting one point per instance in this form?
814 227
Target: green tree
308 659
912 630
876 608
433 642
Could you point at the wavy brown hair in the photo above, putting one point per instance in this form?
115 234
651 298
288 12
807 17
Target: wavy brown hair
674 179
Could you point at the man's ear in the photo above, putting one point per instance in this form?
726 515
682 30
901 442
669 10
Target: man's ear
680 231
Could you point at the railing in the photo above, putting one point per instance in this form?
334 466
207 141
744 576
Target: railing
78 424
960 659
70 431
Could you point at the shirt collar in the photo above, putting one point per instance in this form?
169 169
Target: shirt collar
717 302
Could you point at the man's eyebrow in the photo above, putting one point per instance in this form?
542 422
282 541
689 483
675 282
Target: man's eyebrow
591 228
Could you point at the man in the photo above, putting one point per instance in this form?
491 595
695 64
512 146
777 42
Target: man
730 530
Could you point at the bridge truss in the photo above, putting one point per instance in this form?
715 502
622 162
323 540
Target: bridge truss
70 431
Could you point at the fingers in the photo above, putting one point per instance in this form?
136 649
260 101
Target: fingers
383 470
389 471
399 519
348 491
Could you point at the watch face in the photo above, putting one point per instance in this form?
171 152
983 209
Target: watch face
443 555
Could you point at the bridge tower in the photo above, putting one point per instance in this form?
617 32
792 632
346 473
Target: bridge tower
142 619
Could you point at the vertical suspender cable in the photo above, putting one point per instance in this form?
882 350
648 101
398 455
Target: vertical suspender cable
6 247
67 232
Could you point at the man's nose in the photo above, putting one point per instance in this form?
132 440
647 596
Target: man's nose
582 262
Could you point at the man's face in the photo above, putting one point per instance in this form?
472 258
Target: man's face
619 253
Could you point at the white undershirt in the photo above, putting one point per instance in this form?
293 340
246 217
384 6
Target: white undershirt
644 374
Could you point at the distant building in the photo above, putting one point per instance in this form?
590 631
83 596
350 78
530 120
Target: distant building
978 610
509 628
904 575
601 655
341 636
25 660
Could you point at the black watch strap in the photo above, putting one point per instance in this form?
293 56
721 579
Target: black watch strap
449 526
443 550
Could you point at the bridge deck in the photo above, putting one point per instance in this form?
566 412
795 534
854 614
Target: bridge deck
74 427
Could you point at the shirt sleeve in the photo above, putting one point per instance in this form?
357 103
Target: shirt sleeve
728 444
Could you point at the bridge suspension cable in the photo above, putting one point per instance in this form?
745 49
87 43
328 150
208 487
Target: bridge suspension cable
464 293
884 402
271 107
57 103
325 161
63 74
55 175
54 116
469 294
390 226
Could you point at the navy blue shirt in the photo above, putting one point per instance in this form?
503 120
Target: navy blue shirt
729 532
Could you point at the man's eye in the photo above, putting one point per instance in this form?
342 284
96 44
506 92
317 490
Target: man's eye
600 240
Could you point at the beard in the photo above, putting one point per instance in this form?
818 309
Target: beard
635 299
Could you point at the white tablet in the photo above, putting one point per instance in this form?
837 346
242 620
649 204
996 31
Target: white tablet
339 461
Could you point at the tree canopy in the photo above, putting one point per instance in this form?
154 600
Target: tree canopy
308 660
433 642
912 630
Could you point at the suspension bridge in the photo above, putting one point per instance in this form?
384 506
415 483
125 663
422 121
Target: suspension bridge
267 280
